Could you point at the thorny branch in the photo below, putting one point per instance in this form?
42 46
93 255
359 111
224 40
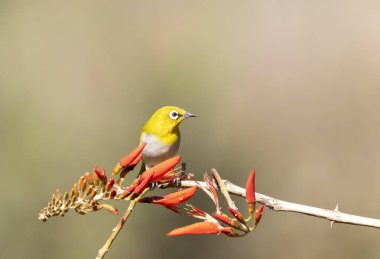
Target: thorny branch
335 216
89 193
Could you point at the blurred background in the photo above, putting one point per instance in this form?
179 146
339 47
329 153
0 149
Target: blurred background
291 88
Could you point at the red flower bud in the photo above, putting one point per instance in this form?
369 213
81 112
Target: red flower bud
258 214
200 228
113 193
129 190
250 188
108 207
223 218
101 174
128 159
89 178
110 184
143 184
161 168
237 215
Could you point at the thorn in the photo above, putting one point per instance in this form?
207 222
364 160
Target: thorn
336 209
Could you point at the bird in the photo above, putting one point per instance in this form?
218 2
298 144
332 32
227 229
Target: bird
161 135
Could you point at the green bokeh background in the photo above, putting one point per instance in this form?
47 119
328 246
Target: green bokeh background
291 88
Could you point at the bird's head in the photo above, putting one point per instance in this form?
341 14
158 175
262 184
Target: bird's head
166 118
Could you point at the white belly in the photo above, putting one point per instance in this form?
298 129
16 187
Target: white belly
156 151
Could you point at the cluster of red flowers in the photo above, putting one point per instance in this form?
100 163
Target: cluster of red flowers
92 188
216 223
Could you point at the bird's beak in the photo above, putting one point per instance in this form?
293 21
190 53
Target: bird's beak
188 115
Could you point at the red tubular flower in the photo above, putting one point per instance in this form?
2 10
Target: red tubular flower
176 198
101 174
169 176
222 218
129 190
212 188
258 214
130 167
161 168
128 159
172 199
237 215
132 164
200 228
143 184
195 212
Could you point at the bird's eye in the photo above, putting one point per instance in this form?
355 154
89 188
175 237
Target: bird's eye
173 115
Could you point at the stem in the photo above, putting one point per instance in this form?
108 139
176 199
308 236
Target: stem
115 231
334 216
223 188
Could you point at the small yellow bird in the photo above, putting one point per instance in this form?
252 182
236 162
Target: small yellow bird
161 135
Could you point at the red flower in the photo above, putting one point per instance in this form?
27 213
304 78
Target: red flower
128 159
250 188
226 220
143 184
101 174
161 168
200 228
132 165
258 214
222 218
212 188
129 190
237 215
195 212
172 199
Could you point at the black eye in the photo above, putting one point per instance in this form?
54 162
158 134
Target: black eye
173 115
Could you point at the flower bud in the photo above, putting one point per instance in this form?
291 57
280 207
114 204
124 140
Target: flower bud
200 228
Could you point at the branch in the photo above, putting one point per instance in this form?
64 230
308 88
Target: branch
334 216
115 231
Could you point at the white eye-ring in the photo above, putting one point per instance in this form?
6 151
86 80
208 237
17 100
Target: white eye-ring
173 115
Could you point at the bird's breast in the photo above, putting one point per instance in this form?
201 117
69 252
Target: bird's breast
156 150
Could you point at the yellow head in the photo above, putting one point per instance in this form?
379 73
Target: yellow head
166 120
